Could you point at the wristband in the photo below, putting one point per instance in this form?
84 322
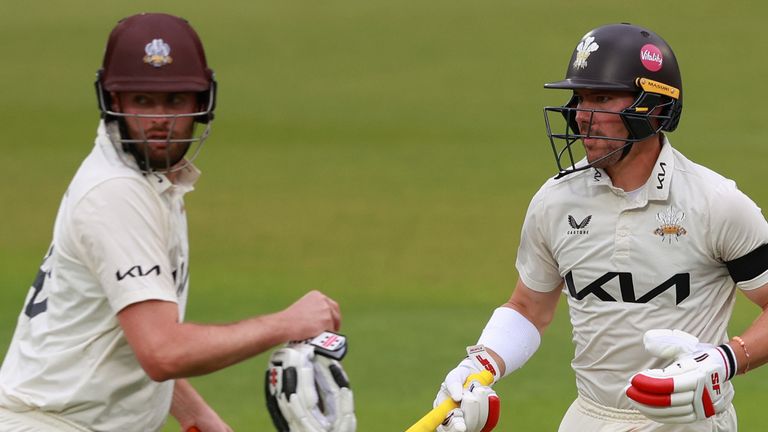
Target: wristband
729 360
511 336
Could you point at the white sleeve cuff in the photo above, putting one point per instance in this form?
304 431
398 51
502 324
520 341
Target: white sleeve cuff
510 335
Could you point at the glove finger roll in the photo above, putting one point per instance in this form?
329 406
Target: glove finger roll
660 400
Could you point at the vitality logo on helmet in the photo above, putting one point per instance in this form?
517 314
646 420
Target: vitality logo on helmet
651 57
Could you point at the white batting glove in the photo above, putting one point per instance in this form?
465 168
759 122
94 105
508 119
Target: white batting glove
477 360
479 404
335 395
671 344
453 385
694 387
291 387
454 422
478 412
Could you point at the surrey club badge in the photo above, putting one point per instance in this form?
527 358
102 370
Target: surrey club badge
670 225
586 47
158 53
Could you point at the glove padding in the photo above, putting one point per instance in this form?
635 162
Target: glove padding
335 394
478 412
293 379
477 360
479 404
694 387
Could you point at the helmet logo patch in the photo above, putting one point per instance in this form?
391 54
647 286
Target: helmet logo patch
158 53
651 57
586 47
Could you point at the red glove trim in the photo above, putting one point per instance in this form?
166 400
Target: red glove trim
649 398
709 409
653 385
494 406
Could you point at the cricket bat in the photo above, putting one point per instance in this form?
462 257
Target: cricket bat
432 419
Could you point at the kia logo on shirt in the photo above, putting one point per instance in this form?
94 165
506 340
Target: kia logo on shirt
137 271
681 283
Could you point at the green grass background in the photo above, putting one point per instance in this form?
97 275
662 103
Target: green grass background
381 151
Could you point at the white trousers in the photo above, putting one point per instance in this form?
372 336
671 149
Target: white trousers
587 415
35 421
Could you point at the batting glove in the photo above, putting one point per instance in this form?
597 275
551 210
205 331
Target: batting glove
335 395
477 360
308 393
478 412
479 405
694 387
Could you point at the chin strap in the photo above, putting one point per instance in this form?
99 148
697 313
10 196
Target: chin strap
627 148
122 131
625 151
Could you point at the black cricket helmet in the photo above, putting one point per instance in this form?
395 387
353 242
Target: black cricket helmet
617 57
156 52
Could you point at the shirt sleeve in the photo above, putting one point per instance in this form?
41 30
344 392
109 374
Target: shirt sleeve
535 263
122 229
741 234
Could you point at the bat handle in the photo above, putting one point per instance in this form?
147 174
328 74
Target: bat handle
432 419
483 377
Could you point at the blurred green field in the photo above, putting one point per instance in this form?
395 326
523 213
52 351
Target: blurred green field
381 151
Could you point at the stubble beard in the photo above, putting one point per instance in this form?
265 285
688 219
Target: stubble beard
608 157
167 158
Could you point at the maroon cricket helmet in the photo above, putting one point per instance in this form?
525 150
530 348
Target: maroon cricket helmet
155 52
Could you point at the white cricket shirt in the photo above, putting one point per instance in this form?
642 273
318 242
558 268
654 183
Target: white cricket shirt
631 265
120 238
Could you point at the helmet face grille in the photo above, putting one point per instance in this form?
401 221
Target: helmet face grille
132 145
565 134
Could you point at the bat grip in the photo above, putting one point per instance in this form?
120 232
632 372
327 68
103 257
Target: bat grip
432 419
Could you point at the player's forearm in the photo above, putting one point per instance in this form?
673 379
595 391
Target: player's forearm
499 361
539 308
755 337
755 340
192 411
194 349
186 401
168 349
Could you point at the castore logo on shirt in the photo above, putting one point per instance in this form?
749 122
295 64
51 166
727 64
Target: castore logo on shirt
578 227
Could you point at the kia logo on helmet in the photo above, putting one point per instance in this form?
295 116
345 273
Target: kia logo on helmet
651 57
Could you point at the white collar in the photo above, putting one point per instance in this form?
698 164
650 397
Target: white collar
658 183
